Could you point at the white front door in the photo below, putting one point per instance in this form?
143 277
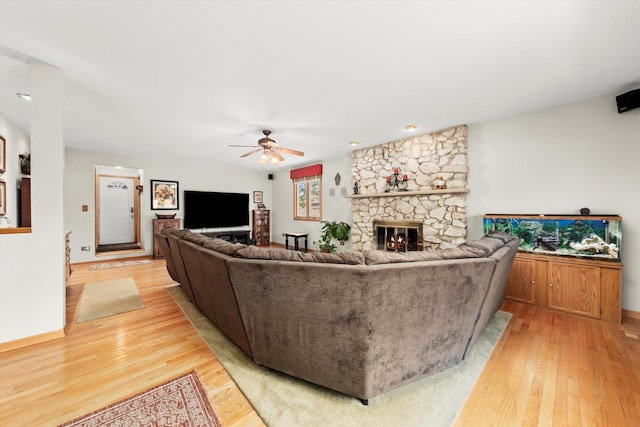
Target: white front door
116 210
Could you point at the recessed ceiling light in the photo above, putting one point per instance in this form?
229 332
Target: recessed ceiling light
410 128
354 143
24 96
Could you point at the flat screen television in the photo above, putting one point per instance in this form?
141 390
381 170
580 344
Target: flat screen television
207 209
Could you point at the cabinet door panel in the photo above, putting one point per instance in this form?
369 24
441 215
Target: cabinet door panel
521 284
574 289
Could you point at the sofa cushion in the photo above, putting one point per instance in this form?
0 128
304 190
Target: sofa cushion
223 246
488 244
462 251
252 252
196 238
286 255
346 257
386 257
175 231
505 237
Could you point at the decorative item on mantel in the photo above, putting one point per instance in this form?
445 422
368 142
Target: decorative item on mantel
439 183
396 181
25 163
356 189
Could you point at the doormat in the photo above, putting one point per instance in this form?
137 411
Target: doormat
181 401
102 299
106 265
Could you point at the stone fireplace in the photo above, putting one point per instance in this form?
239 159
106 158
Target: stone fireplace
428 160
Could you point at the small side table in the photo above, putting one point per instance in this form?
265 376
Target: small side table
296 240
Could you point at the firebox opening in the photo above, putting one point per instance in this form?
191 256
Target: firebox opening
398 236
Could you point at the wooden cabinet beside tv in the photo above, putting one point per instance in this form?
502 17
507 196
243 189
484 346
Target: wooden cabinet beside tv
579 286
158 226
261 226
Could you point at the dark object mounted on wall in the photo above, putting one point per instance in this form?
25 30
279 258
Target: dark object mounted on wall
270 177
628 101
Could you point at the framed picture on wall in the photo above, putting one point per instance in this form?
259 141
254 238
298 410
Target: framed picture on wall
3 154
164 194
257 197
3 198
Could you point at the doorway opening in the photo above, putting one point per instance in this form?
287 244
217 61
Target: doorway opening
117 209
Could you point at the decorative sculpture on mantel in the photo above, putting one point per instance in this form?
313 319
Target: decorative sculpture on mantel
396 181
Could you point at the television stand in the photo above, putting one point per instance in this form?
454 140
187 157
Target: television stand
234 236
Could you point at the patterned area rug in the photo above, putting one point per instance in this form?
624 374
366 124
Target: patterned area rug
106 265
181 401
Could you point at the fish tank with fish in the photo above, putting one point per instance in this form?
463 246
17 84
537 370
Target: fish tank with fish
583 236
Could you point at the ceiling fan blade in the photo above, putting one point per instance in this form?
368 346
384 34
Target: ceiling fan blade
248 146
251 152
277 155
290 151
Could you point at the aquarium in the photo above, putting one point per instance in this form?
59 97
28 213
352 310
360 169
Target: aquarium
587 236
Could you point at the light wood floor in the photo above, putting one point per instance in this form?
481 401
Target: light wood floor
549 369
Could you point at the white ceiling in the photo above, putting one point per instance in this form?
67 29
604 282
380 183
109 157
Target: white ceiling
183 80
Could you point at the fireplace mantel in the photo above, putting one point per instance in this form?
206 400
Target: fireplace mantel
409 193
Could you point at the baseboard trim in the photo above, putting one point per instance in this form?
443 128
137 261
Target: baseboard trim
35 339
100 261
630 313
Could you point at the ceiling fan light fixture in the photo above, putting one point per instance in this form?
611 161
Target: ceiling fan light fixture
271 151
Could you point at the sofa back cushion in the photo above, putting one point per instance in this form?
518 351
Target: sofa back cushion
505 237
222 246
462 251
175 231
488 244
347 257
198 239
386 257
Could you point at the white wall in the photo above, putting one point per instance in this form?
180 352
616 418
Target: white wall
334 208
32 290
559 160
80 190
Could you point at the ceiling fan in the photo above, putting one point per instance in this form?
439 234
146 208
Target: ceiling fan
271 151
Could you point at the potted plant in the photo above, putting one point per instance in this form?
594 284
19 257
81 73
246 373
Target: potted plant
332 230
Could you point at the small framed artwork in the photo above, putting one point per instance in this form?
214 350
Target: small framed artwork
164 195
3 154
261 206
3 198
257 197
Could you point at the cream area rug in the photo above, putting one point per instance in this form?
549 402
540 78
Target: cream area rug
102 299
117 264
181 401
284 401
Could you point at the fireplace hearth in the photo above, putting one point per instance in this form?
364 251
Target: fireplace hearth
398 236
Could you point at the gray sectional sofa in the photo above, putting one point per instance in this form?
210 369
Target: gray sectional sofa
358 323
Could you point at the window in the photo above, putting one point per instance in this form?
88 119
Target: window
307 193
